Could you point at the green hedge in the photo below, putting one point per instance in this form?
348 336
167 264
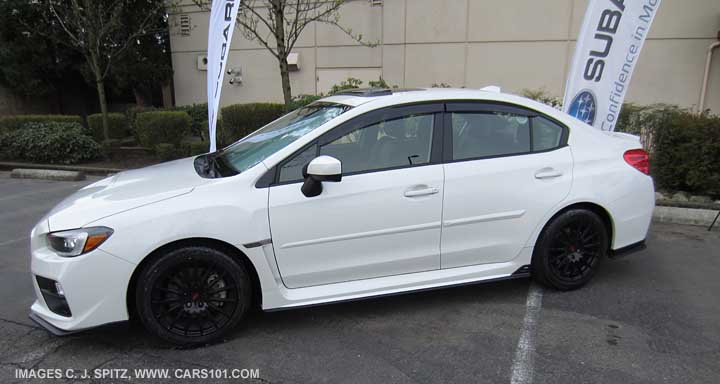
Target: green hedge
49 142
302 100
167 151
239 120
15 122
195 148
158 127
684 146
117 126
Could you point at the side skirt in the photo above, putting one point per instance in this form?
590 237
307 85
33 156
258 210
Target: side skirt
514 276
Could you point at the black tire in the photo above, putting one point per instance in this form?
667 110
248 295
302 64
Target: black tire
569 250
192 295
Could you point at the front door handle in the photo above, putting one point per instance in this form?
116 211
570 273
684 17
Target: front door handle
547 173
421 192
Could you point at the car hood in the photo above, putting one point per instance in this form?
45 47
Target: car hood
125 191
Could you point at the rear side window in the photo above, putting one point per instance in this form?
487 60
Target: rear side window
546 134
489 134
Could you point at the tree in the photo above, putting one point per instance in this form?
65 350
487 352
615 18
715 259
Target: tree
30 64
285 20
146 63
100 32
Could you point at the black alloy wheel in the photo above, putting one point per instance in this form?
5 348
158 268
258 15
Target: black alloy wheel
192 295
570 249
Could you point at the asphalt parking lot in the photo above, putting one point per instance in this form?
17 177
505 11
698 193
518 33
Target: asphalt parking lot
652 317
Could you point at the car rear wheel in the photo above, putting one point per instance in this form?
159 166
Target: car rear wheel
192 295
569 250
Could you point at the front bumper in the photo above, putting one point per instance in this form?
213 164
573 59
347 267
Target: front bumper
94 285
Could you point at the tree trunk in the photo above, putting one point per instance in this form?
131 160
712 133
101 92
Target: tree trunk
140 99
278 9
100 83
285 76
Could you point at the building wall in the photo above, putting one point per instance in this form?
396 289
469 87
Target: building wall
515 44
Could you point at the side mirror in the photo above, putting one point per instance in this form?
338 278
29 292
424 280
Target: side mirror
321 168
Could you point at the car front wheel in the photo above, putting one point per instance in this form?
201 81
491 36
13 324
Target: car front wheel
569 250
192 295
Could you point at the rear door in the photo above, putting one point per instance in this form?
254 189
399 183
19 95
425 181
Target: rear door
506 167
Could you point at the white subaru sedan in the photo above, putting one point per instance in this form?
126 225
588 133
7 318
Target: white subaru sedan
366 193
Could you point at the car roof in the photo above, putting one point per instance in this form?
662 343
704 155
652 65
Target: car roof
369 99
359 96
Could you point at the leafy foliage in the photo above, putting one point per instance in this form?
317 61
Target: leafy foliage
349 83
542 96
156 127
15 122
302 100
49 142
239 120
684 146
195 148
30 64
166 151
117 124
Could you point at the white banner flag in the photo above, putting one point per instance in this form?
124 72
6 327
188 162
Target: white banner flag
222 25
608 48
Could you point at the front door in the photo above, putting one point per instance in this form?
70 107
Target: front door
507 168
382 219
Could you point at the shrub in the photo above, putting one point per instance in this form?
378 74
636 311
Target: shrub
349 83
132 113
239 120
199 115
684 147
50 142
302 100
686 153
195 148
157 127
166 151
15 122
118 127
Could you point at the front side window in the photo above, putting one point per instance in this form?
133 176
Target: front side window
395 143
488 134
275 136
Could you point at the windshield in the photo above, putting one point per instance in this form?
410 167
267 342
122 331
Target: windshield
279 134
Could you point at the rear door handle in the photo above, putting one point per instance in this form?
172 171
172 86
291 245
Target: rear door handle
421 192
547 173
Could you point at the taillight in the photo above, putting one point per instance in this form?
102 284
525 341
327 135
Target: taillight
638 159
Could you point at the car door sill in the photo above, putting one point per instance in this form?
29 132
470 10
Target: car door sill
513 276
395 284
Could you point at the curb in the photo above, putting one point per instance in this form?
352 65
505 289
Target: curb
687 216
97 171
47 174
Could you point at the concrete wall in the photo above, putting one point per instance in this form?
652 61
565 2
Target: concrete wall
516 44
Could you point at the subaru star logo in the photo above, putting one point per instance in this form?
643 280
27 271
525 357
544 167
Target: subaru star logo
583 107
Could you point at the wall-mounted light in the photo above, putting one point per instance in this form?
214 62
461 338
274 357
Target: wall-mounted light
235 76
293 61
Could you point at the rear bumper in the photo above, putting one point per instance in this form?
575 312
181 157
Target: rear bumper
627 250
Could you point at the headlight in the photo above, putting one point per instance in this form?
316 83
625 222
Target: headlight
78 241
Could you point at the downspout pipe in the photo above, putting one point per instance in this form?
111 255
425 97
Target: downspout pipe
706 76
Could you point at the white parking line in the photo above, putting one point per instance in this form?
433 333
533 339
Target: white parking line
8 242
40 192
523 363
